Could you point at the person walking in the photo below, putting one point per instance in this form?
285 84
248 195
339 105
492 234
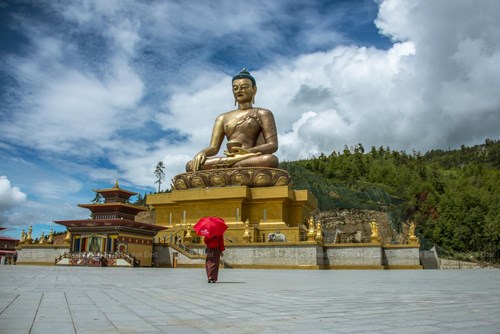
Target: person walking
215 249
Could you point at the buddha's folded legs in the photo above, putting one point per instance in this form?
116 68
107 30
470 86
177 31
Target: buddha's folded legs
262 160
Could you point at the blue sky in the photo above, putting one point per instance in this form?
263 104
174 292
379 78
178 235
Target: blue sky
94 91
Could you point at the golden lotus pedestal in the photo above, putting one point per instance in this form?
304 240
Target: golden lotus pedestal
265 209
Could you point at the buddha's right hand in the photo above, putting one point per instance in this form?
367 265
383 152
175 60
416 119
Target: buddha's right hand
198 160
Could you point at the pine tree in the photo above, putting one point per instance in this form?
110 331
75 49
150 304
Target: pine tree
160 174
98 199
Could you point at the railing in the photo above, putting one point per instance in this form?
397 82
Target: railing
186 251
101 260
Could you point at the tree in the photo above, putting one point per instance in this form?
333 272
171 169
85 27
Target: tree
98 199
141 200
160 174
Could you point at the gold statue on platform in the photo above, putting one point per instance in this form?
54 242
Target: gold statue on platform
319 233
412 239
311 234
247 237
188 237
251 133
374 238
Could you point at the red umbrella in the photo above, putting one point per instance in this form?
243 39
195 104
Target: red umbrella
210 226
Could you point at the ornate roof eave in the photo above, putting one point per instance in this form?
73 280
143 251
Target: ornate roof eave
114 204
109 223
114 190
3 238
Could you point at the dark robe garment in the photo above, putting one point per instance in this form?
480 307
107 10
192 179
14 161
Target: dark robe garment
215 246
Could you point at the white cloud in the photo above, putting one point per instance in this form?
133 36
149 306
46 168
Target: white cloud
10 196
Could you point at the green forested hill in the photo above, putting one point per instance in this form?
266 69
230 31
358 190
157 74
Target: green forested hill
453 196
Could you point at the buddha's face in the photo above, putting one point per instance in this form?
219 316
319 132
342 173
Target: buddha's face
243 90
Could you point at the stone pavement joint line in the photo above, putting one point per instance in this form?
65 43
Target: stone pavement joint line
40 299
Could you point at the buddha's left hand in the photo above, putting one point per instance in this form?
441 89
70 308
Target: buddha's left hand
236 151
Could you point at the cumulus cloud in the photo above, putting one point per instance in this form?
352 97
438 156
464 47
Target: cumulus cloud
10 196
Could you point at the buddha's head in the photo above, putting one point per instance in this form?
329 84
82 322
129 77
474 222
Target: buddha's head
244 87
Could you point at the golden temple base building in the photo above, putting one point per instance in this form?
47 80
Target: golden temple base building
258 211
269 226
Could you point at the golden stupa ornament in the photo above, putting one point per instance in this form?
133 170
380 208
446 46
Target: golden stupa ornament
29 239
311 234
42 239
50 240
23 237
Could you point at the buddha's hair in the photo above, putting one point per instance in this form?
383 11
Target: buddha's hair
244 74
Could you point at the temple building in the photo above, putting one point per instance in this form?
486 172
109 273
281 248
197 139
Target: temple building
7 247
112 228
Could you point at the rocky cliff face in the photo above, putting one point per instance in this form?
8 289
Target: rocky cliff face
353 226
148 217
339 226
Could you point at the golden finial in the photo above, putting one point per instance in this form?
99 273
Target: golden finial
116 184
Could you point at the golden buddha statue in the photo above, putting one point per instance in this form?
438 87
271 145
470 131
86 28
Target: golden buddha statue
251 133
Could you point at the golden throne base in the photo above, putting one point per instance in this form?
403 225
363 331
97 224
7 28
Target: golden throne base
224 177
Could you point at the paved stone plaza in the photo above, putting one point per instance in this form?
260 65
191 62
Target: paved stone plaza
36 299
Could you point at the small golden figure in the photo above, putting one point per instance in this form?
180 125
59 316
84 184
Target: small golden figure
319 233
311 234
374 238
247 237
412 239
188 237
